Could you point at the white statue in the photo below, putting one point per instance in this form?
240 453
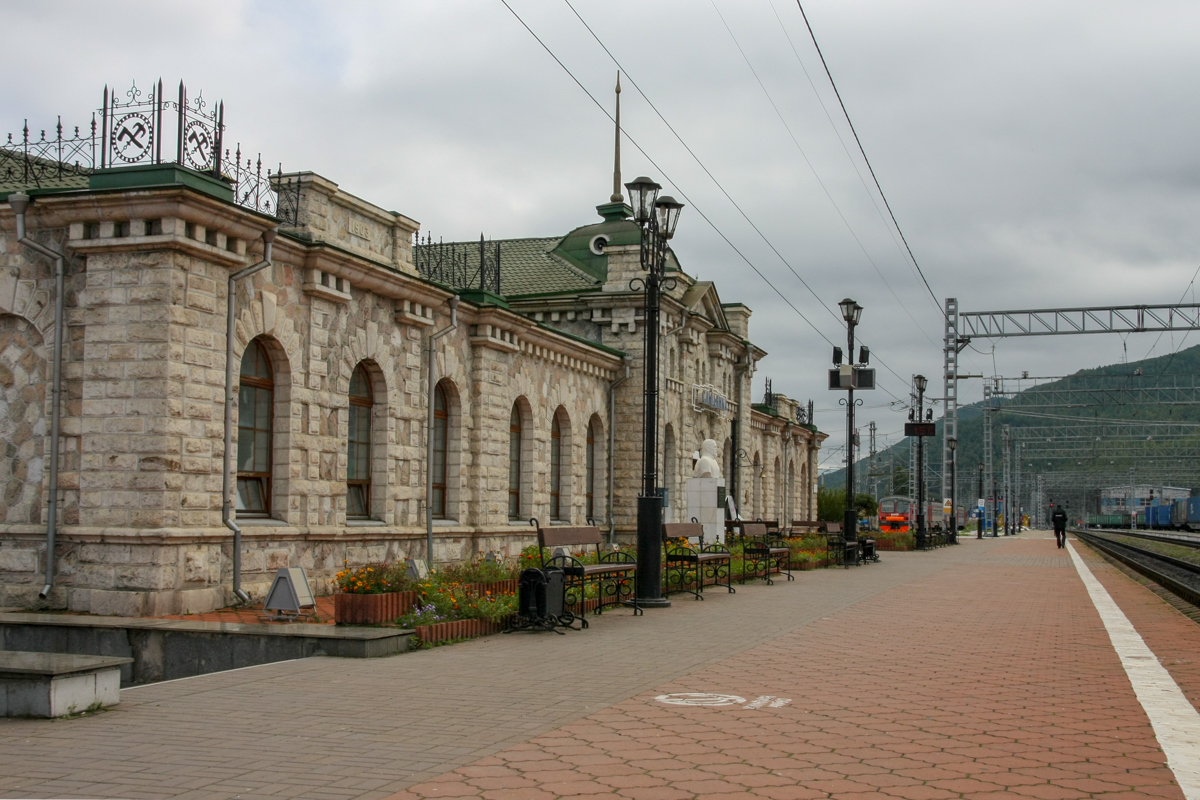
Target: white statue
707 466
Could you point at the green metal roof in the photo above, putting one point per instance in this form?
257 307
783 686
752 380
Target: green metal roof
543 266
529 267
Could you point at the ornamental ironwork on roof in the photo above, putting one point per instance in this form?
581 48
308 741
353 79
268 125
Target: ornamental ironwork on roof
459 265
133 130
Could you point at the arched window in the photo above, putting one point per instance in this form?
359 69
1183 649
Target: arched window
441 424
555 469
589 473
358 450
514 464
256 396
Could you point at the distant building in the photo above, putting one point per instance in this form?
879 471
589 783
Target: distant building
1116 499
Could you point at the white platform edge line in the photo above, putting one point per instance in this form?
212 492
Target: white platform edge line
1175 721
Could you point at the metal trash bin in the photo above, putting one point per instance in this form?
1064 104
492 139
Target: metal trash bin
541 601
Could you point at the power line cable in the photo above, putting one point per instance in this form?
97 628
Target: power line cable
816 175
862 150
681 192
701 164
842 141
716 182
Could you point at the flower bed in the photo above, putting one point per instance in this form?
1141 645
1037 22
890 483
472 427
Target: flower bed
894 540
483 589
889 544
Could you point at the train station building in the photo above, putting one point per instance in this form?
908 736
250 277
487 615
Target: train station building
536 397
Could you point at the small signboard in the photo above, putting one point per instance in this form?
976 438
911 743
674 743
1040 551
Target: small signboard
289 595
920 429
416 569
947 506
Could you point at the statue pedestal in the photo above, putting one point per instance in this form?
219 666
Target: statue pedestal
705 502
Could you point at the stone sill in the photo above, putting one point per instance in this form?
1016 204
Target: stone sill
255 522
365 523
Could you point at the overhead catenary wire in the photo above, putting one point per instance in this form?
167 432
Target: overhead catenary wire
683 194
817 175
866 160
837 132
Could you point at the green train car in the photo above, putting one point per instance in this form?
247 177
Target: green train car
1108 520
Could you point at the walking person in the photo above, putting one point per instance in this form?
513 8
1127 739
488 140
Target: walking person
1059 518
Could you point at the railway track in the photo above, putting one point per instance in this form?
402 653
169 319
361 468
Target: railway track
1186 539
1180 577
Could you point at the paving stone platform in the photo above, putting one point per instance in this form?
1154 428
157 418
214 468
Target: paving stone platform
978 671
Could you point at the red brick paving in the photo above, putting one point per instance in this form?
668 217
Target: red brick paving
991 679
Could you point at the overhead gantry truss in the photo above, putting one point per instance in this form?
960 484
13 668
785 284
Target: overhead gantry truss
963 326
1062 321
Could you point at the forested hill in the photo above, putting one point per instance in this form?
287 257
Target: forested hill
1115 392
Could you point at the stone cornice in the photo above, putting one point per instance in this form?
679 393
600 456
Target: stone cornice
503 330
177 202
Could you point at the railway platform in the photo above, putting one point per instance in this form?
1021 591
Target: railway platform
997 668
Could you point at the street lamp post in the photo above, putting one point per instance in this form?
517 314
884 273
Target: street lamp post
952 443
921 383
657 218
979 535
851 312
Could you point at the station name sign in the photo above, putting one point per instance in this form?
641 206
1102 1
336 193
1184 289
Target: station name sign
709 398
920 429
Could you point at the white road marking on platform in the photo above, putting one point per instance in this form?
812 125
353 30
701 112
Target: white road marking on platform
1175 720
700 699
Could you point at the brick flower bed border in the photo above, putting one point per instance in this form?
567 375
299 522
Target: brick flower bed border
458 629
371 609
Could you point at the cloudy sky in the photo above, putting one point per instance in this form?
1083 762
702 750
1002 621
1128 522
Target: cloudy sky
1035 154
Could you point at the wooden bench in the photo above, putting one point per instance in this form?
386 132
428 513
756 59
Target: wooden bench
804 526
765 551
613 576
682 561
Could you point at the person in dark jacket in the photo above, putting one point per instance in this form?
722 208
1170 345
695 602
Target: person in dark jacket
1059 518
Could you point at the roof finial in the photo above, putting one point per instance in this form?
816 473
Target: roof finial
617 197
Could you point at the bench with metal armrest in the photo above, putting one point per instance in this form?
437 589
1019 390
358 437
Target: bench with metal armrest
764 552
840 550
614 575
685 564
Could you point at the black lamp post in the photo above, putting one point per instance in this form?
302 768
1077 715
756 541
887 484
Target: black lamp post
657 217
952 443
921 383
851 312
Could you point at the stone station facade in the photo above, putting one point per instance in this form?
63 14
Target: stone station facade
530 385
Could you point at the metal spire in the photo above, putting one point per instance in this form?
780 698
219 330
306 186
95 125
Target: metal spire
617 197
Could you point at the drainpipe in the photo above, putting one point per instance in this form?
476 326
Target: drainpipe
682 324
612 446
19 202
735 428
433 337
227 512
